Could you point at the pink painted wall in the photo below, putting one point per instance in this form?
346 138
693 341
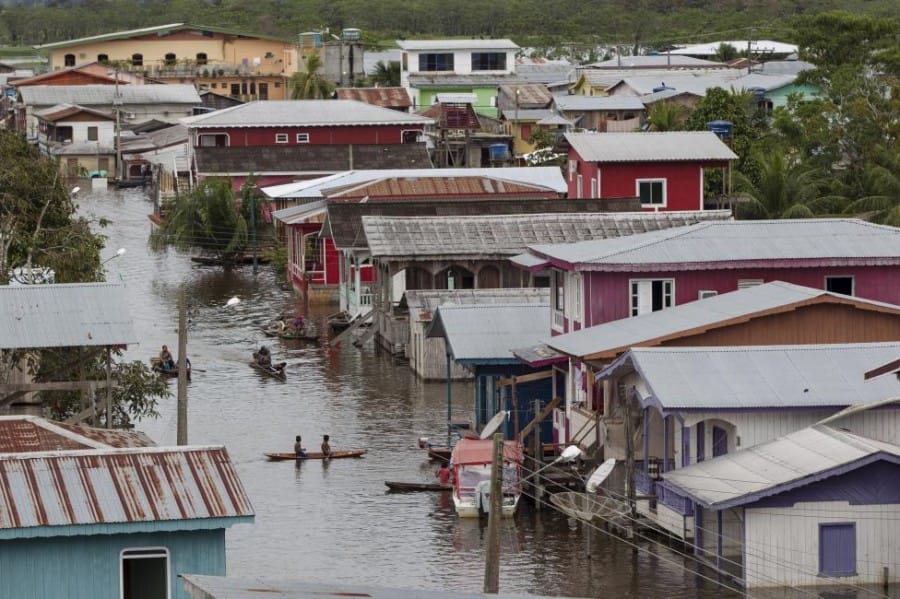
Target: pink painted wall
607 295
265 136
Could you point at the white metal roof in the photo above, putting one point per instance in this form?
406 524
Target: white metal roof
655 146
473 44
653 60
93 95
761 377
64 315
628 332
489 331
699 83
785 463
301 213
735 244
546 176
430 299
588 103
756 47
304 113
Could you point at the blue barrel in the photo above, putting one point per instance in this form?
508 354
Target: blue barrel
498 151
720 128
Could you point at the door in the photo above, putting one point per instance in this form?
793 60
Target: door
719 441
837 549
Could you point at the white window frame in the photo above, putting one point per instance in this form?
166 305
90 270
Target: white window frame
577 296
162 551
281 138
595 193
747 283
634 300
706 293
852 283
665 192
303 138
214 135
573 166
558 315
579 181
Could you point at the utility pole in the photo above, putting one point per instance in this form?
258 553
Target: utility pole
182 433
117 102
249 195
537 451
495 513
108 387
629 461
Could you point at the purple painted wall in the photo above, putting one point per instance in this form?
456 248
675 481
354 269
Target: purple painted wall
607 294
875 484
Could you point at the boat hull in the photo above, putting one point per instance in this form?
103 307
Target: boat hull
468 508
315 455
401 487
275 373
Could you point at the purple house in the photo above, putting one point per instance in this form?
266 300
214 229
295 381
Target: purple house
827 515
608 279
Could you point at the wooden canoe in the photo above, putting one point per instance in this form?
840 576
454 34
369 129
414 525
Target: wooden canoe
272 371
440 454
316 455
303 335
157 367
399 487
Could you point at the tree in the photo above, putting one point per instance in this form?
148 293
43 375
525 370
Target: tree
667 116
209 218
309 84
781 188
735 106
386 75
726 52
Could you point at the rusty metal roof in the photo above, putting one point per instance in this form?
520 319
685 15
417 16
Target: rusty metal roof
23 434
436 187
117 486
64 111
389 97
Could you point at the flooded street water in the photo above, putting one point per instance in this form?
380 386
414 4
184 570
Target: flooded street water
335 522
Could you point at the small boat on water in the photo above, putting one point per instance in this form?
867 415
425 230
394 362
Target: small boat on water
276 330
275 370
400 487
472 463
316 455
157 366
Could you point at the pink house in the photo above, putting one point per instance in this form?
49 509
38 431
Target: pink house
664 169
282 141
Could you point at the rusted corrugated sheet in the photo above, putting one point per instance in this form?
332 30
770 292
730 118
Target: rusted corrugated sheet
20 435
109 437
389 97
412 187
119 486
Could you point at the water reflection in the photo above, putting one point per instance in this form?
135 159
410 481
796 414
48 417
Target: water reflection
327 521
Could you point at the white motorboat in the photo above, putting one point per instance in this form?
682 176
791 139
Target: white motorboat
472 463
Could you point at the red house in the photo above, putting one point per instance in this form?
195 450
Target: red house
281 141
609 279
664 169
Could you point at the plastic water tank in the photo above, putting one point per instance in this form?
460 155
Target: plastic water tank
498 151
351 34
720 128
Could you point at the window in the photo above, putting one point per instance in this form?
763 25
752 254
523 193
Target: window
303 138
594 188
745 283
92 134
652 192
435 62
201 58
263 91
214 140
170 59
651 295
559 301
281 138
144 573
577 295
578 183
705 293
488 61
137 60
103 58
842 285
235 89
69 60
526 132
837 549
573 166
410 136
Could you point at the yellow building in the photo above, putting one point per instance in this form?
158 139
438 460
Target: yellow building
238 64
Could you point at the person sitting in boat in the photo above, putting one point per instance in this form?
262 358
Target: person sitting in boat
165 358
299 450
326 447
298 324
263 357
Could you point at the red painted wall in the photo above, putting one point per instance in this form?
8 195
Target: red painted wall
607 295
265 136
332 264
684 180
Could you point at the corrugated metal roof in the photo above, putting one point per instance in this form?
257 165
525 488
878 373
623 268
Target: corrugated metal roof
438 79
653 146
109 486
619 335
506 235
665 94
479 332
699 83
103 95
220 587
544 176
158 29
527 114
589 103
736 244
379 96
756 47
473 44
481 451
301 213
64 315
430 299
785 463
304 113
436 187
21 434
63 111
757 377
654 60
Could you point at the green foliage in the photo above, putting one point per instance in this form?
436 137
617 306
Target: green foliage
780 188
309 83
735 106
277 257
835 39
542 138
667 116
386 75
209 218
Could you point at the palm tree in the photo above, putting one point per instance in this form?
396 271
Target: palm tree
726 52
781 189
386 75
667 116
881 182
309 84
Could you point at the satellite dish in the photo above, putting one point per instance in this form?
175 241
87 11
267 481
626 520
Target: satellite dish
492 425
569 453
600 474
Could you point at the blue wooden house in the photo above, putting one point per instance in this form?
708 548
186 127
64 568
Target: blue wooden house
99 516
